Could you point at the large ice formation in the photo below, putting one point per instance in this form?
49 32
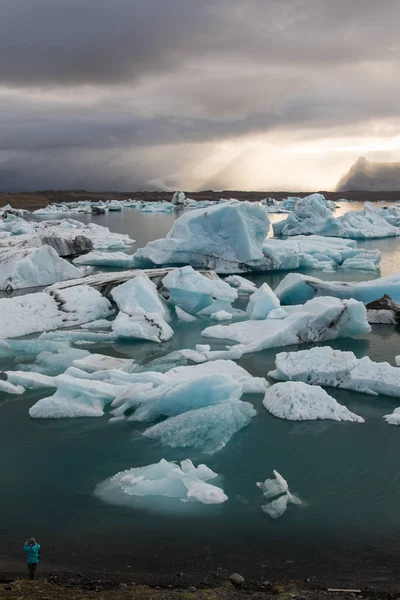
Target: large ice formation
312 216
192 292
206 429
165 479
105 259
298 401
318 252
277 492
262 302
296 288
22 315
33 267
227 237
320 319
335 368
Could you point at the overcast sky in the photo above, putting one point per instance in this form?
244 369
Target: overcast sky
195 94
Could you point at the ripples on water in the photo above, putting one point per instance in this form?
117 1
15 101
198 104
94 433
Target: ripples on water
347 474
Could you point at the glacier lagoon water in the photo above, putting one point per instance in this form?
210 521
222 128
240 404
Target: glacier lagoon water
346 474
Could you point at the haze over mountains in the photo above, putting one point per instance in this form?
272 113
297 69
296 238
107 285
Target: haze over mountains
371 176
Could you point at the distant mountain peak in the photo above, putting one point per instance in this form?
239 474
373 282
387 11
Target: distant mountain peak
371 176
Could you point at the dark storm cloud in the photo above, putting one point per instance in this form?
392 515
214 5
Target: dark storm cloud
83 83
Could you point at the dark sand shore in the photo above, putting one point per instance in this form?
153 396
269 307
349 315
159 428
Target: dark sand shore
39 199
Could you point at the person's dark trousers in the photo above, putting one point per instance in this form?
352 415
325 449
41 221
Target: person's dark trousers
32 571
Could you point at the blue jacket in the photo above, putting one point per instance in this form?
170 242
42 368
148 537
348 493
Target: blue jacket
33 553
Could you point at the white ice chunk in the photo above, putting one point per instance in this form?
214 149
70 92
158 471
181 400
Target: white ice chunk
394 417
206 429
296 288
183 316
139 296
192 292
27 314
227 237
243 285
262 302
76 398
221 315
203 347
318 320
10 388
278 490
105 259
165 480
99 362
33 267
325 366
30 380
298 401
149 326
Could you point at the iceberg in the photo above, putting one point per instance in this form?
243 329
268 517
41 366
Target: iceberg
74 398
44 311
298 401
165 480
30 380
276 490
318 252
206 429
33 267
179 199
318 320
393 418
101 362
335 368
243 285
312 216
296 288
176 397
262 302
227 237
10 388
139 296
105 259
149 326
192 292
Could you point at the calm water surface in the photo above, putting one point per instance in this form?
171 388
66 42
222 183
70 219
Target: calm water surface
347 474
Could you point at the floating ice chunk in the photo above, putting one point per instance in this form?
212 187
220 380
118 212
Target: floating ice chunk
279 490
99 324
394 417
243 285
139 296
221 315
30 380
176 397
149 326
203 347
54 362
99 362
227 237
10 388
318 252
312 216
183 316
206 429
27 314
179 198
32 267
296 288
75 398
318 320
163 479
262 302
105 259
325 366
273 487
297 401
192 292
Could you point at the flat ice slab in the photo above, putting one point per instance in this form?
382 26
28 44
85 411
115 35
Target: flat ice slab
317 320
296 288
298 401
335 368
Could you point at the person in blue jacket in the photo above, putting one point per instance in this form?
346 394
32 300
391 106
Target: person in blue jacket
32 548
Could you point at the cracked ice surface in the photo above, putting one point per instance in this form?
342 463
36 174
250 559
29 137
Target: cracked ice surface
317 320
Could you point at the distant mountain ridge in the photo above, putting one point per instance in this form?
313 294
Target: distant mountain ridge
371 176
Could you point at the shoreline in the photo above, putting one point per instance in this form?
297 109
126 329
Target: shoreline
40 199
77 585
